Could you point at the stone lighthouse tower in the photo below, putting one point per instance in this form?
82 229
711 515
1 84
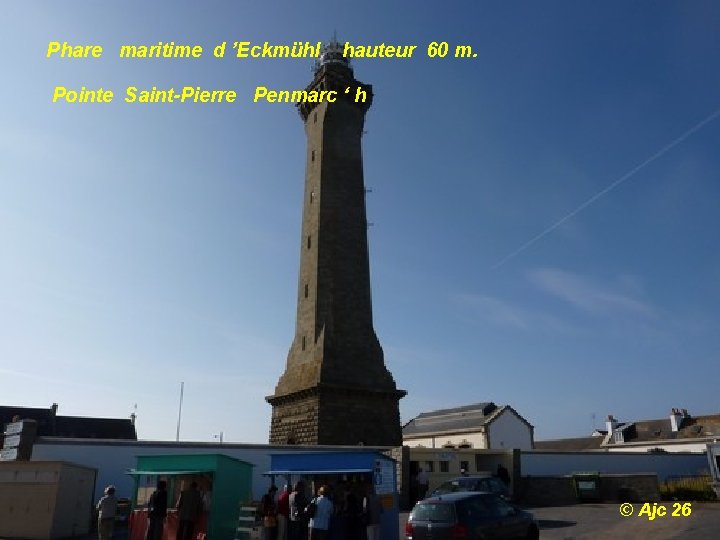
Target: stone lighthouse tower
335 388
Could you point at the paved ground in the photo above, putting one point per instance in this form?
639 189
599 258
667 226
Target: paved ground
589 521
603 521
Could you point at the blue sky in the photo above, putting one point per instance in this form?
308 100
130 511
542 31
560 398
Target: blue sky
142 246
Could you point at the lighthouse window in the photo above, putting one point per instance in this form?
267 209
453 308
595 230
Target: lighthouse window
309 243
303 343
312 155
306 290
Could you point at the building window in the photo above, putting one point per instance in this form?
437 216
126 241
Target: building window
303 343
444 466
312 196
309 242
306 290
465 466
430 466
312 155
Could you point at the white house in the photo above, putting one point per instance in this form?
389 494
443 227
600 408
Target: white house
680 432
483 426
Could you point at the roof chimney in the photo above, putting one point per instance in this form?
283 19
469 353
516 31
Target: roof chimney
132 418
53 416
676 418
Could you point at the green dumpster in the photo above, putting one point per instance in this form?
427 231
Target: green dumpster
587 486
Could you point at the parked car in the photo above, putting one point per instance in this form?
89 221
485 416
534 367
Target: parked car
469 516
489 484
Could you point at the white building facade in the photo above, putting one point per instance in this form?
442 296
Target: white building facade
482 426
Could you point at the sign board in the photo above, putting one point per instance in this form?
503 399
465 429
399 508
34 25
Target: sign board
14 428
384 477
11 441
9 454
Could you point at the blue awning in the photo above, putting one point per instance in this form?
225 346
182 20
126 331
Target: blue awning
307 472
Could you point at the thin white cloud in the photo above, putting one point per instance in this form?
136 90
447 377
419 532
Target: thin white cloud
609 188
497 311
22 142
592 297
500 312
400 355
42 377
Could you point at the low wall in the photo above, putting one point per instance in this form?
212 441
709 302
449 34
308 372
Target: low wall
546 491
560 490
629 488
554 463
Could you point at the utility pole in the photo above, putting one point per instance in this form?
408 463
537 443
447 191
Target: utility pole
177 435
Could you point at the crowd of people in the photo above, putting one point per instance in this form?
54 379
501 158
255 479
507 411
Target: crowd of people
190 506
345 512
332 514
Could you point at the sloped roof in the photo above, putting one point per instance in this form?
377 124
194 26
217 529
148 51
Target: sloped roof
458 419
642 432
691 427
95 428
80 427
571 444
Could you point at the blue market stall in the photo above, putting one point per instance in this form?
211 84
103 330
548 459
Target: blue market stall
352 470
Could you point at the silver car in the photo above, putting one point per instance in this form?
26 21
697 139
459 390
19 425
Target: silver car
469 516
489 484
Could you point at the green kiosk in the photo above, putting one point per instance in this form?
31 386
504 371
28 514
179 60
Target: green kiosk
224 484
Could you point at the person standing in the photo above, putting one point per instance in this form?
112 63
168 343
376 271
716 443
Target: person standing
189 508
157 511
269 513
107 510
503 474
298 521
283 513
372 510
423 482
351 512
320 521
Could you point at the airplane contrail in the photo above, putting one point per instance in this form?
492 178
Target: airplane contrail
608 188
